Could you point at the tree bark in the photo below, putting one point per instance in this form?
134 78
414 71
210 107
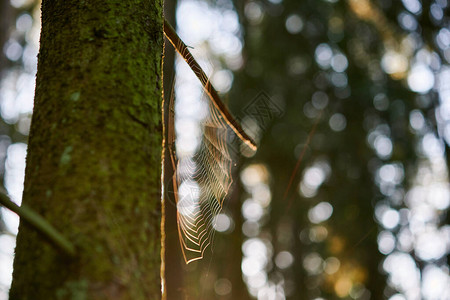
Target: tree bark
173 262
94 155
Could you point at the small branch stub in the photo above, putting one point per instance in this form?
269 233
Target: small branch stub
39 223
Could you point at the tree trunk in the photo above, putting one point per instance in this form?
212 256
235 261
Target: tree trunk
6 20
173 262
94 155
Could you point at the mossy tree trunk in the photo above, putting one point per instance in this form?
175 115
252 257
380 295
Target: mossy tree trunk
94 155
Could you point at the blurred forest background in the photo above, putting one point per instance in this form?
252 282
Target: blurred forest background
347 196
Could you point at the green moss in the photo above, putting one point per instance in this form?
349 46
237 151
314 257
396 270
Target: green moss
73 290
75 96
65 157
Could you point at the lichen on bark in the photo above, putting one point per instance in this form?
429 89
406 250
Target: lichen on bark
94 155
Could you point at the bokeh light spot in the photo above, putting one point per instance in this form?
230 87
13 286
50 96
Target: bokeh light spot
294 24
321 212
337 122
284 260
222 287
420 79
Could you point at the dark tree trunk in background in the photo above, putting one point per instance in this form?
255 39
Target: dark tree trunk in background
6 19
173 261
94 154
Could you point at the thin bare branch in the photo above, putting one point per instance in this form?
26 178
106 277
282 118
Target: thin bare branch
39 223
209 89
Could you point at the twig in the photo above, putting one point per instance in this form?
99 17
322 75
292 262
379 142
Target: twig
212 93
39 223
300 158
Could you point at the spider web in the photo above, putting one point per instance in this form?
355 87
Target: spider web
204 181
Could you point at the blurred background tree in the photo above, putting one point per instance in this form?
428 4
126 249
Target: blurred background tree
357 95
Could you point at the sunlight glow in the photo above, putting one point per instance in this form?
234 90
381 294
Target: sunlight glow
313 263
386 242
337 122
381 102
196 22
407 21
390 218
252 210
394 63
339 62
383 146
254 12
256 254
222 287
432 244
420 79
403 273
253 175
15 171
313 177
222 222
6 263
413 6
332 265
319 100
257 250
13 50
321 212
390 173
436 282
294 24
416 120
323 55
284 260
318 233
188 198
16 96
222 80
250 228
